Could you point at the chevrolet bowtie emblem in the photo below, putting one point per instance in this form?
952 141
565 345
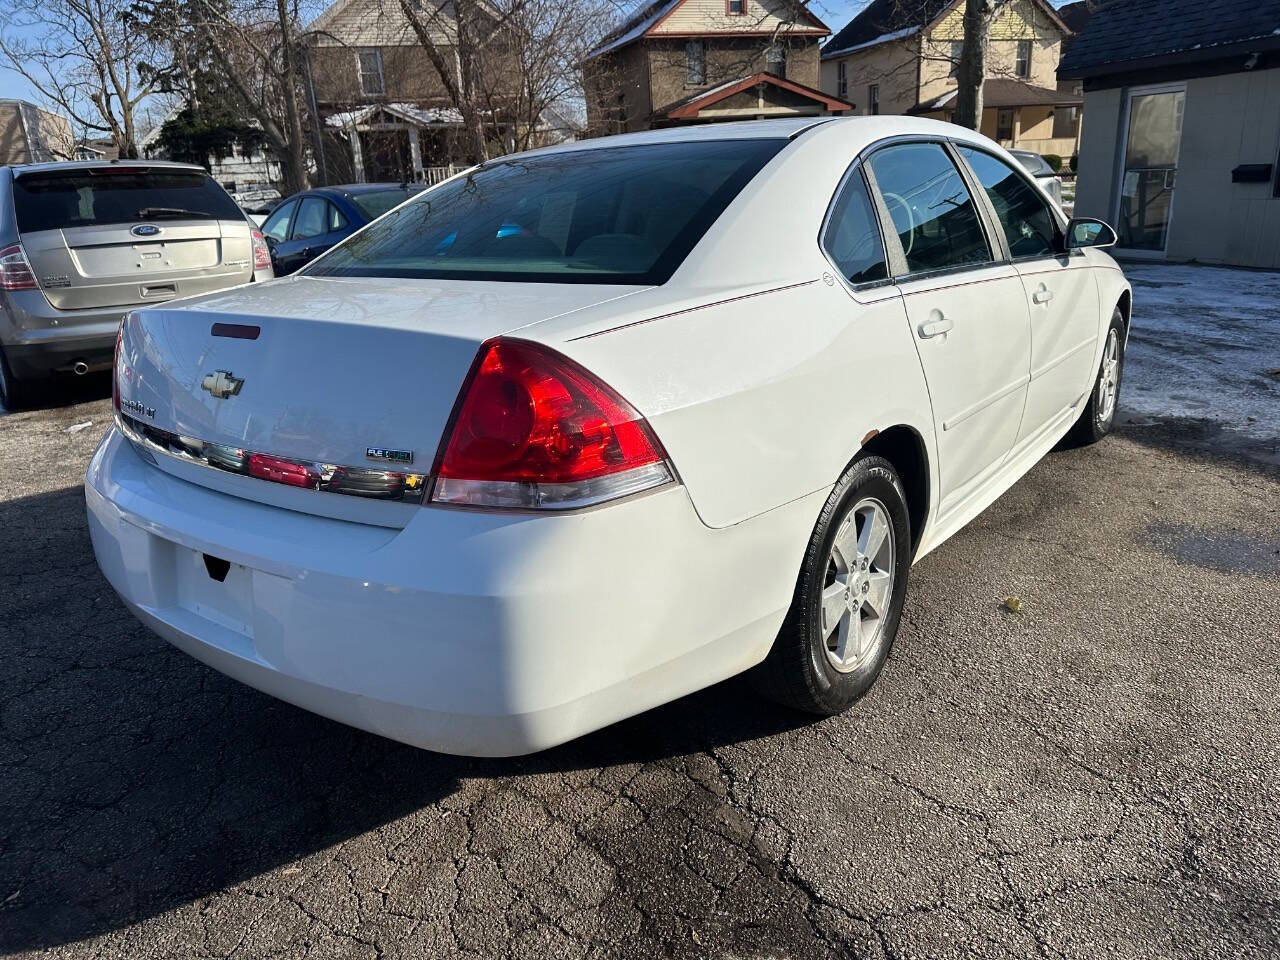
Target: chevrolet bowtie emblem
221 384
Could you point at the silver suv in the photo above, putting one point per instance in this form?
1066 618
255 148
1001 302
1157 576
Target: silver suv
82 243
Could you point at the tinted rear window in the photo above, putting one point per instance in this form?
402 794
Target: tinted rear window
1033 163
610 215
377 202
80 198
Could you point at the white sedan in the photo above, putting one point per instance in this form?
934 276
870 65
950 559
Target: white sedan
586 429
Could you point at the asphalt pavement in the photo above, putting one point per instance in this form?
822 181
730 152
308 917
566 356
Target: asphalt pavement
1096 775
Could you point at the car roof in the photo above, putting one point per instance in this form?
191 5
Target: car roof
60 166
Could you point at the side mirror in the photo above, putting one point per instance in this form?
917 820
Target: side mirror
1088 232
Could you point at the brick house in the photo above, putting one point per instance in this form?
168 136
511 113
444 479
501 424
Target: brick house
698 61
900 57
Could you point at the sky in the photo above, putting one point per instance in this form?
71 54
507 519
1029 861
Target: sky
835 13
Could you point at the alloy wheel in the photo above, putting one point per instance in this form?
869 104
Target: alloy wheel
1108 378
859 586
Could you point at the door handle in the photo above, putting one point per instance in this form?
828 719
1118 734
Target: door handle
1043 295
935 327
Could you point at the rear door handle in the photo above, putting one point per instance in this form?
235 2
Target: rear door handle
1043 295
935 327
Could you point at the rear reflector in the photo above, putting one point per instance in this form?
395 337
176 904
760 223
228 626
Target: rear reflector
533 429
15 271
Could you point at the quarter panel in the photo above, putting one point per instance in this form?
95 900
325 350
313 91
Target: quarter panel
764 400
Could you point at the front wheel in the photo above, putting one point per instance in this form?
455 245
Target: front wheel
844 614
1099 414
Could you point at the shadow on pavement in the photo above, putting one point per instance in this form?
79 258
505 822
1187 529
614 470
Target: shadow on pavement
138 780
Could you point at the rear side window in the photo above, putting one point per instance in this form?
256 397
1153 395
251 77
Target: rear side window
853 237
933 213
311 220
85 198
1028 225
627 214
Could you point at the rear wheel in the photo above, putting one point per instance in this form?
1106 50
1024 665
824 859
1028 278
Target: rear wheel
1099 414
847 603
13 392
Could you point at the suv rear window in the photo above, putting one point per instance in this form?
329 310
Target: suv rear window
85 198
627 214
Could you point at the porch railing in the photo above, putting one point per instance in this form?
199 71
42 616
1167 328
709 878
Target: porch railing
433 175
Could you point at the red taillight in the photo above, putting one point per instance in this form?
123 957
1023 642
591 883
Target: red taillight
283 471
534 429
261 252
15 271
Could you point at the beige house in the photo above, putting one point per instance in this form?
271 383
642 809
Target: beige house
699 61
386 111
1182 144
29 134
900 56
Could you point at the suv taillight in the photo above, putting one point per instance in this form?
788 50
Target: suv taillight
261 252
533 429
15 271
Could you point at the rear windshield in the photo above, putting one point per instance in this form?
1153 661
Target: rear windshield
83 198
627 214
377 202
1033 163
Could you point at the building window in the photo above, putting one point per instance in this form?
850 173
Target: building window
1064 122
735 8
1022 62
775 60
873 98
695 52
371 82
957 50
842 80
1004 124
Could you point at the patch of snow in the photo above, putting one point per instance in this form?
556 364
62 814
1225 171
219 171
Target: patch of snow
883 38
1205 343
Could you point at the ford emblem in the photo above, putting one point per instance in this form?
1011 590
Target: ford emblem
145 230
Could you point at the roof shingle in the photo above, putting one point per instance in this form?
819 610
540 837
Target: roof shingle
1126 31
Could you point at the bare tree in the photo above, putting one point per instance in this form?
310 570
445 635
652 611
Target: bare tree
972 69
84 58
257 47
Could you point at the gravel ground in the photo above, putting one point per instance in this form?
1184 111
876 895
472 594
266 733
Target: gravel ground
1098 775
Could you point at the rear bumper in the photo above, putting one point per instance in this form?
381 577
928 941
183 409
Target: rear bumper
39 339
464 632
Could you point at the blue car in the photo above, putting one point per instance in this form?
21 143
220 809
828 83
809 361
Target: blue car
309 223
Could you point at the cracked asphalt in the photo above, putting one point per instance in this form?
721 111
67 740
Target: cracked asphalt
1097 775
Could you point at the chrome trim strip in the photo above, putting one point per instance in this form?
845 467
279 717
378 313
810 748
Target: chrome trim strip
303 474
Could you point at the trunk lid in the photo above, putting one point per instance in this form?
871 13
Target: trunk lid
327 368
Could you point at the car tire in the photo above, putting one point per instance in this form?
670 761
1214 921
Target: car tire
822 661
1099 415
14 393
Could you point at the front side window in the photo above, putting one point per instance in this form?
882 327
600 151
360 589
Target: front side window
277 225
1022 60
371 81
775 60
695 52
873 98
1029 226
933 213
852 238
606 215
